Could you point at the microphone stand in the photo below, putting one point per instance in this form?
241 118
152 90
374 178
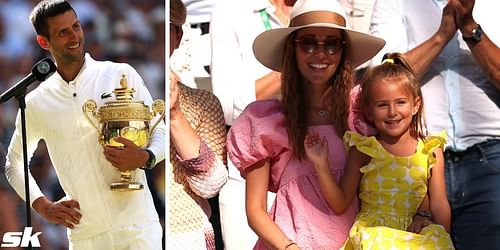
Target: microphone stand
40 72
20 96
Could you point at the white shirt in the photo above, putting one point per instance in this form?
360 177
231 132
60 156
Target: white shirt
199 11
234 26
55 115
458 96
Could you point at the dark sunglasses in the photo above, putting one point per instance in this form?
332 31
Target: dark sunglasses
310 45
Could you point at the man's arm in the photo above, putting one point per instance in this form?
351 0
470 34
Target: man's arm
484 50
422 56
63 212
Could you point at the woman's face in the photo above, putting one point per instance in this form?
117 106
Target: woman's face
318 52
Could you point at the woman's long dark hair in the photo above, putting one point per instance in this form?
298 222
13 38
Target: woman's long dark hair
296 103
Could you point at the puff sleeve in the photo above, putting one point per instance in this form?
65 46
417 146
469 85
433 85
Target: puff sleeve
258 133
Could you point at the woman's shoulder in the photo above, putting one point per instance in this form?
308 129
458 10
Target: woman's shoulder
200 94
262 112
264 107
199 98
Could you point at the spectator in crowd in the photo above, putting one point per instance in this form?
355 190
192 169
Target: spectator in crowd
197 154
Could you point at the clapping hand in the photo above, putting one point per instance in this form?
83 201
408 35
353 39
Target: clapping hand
463 11
448 26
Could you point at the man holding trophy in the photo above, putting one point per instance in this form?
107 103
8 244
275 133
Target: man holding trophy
100 159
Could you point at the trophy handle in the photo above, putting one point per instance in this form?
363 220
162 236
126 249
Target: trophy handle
90 106
158 107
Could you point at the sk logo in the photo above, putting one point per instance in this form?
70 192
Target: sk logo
21 239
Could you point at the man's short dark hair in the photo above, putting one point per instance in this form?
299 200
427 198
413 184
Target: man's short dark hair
46 9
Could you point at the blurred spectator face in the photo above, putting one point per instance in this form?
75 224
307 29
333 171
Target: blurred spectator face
175 37
66 38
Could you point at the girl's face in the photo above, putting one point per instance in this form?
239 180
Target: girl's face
391 107
318 52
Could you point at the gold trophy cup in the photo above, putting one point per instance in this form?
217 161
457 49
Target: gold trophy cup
127 118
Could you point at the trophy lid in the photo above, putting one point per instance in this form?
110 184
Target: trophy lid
124 93
124 108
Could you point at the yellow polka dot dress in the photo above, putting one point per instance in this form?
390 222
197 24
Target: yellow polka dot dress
391 190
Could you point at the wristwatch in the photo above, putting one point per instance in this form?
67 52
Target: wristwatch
151 161
477 35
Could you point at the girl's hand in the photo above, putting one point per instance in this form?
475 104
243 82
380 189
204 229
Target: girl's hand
317 151
418 224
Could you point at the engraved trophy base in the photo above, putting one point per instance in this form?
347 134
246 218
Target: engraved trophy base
126 186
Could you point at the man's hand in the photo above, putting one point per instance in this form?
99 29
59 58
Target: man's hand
464 19
127 157
63 212
448 26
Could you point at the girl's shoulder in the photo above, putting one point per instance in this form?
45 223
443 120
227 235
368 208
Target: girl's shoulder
432 143
435 141
365 144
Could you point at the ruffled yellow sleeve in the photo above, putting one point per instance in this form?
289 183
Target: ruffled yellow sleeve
366 145
431 143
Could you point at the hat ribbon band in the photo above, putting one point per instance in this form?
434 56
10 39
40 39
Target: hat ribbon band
317 17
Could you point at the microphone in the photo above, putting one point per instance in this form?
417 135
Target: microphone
40 71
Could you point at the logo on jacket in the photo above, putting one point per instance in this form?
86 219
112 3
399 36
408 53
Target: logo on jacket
105 95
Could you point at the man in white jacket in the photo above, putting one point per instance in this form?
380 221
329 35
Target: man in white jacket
97 217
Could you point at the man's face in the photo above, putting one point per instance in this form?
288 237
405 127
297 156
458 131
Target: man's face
66 40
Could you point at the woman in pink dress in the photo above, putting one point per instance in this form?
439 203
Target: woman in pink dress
316 55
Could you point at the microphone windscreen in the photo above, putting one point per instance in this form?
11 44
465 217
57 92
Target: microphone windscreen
43 69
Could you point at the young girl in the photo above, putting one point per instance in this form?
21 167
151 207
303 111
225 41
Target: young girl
394 170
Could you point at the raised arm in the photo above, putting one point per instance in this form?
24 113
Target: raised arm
337 195
424 54
201 148
484 51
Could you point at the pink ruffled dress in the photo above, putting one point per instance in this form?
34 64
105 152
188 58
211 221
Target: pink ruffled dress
300 209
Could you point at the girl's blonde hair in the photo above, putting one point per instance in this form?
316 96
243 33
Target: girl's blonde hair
396 66
296 103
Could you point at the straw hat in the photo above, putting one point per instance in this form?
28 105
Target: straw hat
268 47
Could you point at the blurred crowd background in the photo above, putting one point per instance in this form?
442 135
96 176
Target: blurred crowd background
131 31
